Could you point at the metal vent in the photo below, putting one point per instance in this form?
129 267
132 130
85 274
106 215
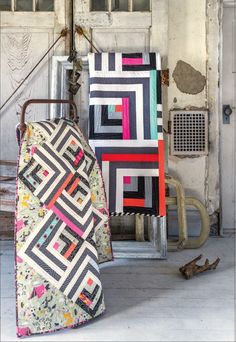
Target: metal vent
189 132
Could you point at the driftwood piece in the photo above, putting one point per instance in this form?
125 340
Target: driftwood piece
191 268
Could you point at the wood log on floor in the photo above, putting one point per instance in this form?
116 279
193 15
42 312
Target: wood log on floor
191 268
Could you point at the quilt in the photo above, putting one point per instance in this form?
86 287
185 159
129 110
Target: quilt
62 229
125 130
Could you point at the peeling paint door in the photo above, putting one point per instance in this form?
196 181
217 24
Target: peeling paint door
119 26
27 29
228 129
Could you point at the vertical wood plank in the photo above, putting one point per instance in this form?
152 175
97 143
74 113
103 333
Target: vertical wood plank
139 227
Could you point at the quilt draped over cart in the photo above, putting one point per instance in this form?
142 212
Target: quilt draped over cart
62 230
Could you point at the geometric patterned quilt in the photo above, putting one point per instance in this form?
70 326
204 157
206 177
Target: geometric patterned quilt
62 229
126 130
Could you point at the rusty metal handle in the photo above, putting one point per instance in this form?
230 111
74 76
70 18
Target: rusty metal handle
22 125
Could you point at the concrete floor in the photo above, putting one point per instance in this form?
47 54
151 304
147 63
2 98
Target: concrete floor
148 300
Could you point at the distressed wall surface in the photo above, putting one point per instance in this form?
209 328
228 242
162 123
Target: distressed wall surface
194 39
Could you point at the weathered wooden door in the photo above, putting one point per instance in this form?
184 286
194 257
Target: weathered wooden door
27 29
228 122
120 26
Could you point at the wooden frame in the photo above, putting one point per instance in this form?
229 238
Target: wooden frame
60 73
155 249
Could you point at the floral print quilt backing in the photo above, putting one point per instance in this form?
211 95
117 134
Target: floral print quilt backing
62 229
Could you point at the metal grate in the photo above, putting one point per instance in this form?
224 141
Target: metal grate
189 132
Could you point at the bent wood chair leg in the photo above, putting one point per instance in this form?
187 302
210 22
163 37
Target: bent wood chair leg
182 221
205 222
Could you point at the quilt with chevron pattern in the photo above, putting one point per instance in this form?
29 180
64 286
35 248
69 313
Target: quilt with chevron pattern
62 229
125 130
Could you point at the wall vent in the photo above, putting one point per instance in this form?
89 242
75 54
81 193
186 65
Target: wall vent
189 132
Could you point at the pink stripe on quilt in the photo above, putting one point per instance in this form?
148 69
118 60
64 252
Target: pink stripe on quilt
126 127
67 221
132 61
78 157
125 118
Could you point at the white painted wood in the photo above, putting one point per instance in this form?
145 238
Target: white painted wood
228 131
27 19
24 39
147 300
228 3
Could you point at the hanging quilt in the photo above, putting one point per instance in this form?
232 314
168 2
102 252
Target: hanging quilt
62 230
125 130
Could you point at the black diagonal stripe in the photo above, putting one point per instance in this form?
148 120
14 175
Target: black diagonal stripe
89 160
77 212
74 234
75 176
35 258
43 265
44 125
74 152
86 308
76 250
67 242
75 270
89 267
47 253
82 190
59 133
23 178
57 173
51 124
34 174
92 295
65 138
74 193
90 239
75 166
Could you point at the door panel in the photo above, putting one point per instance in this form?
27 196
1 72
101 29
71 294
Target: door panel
118 40
24 39
228 130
